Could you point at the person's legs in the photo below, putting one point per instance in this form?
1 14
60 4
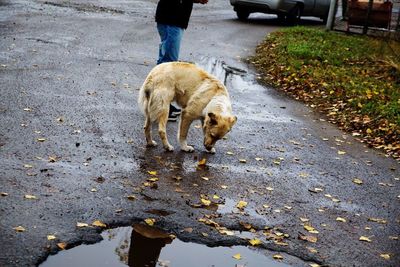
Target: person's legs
171 37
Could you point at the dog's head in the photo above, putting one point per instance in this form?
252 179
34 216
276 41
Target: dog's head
215 127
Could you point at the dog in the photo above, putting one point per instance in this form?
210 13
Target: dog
199 94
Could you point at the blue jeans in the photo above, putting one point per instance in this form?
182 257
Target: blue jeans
170 42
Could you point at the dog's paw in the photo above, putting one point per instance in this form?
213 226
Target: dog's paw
153 143
211 151
187 149
169 148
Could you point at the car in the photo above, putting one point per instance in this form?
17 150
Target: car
290 10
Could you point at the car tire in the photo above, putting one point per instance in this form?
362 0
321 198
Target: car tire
242 14
281 17
295 15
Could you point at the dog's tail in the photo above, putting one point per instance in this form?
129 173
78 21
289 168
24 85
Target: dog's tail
153 104
144 95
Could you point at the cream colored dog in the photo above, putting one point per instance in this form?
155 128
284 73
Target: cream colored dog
201 96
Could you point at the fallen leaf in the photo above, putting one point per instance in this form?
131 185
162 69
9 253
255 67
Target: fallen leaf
277 257
340 152
80 225
41 139
28 166
242 160
241 204
340 219
154 179
237 256
205 202
19 229
202 162
357 181
150 221
309 238
310 229
259 159
269 188
152 172
51 237
30 197
377 220
255 242
99 224
62 245
188 230
131 197
314 265
304 219
224 186
385 256
4 194
364 238
229 153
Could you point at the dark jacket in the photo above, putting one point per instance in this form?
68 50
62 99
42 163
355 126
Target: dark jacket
174 12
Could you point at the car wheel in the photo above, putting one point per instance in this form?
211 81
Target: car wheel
242 14
281 17
295 15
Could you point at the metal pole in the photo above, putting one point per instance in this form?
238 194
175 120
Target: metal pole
370 5
331 15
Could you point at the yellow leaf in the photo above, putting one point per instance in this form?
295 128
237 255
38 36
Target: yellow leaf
229 153
340 219
28 166
150 221
377 220
205 202
314 265
51 237
242 160
237 256
310 229
19 229
131 197
41 139
269 188
202 162
79 224
309 238
62 245
241 204
215 197
152 172
364 238
224 186
30 197
304 219
3 194
259 159
154 179
385 256
99 223
277 257
357 181
255 242
340 152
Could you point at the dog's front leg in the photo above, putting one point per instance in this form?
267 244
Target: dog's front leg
184 125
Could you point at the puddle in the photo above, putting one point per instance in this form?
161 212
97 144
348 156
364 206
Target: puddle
141 246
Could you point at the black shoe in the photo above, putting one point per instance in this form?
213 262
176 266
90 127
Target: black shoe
174 110
172 117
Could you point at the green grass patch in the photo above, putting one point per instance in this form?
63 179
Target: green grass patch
355 80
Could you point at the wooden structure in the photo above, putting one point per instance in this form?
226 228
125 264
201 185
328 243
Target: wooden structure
365 13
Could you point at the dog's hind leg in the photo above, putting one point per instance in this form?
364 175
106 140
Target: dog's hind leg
162 130
184 125
147 132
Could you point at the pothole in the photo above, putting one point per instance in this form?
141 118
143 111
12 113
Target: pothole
141 246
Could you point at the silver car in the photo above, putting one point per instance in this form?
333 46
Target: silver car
291 10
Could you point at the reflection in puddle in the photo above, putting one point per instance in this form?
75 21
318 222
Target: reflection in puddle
144 246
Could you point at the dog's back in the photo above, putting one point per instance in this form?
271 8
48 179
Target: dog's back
172 80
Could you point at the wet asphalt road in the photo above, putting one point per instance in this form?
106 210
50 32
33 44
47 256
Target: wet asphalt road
71 135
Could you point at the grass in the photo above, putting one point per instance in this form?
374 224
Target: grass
354 80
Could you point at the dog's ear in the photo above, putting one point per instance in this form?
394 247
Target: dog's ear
213 118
